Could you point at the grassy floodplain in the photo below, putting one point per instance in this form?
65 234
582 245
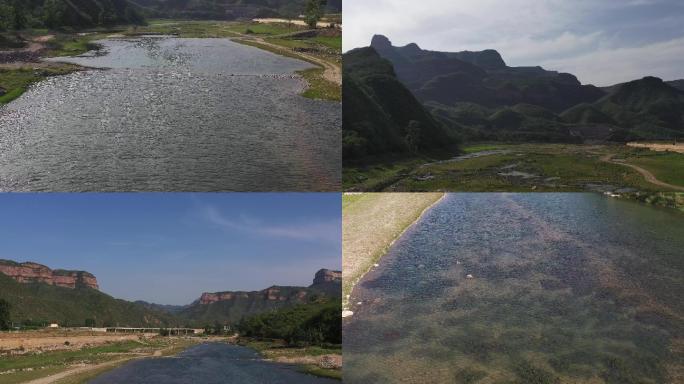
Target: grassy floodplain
307 357
524 168
86 362
323 49
371 222
17 77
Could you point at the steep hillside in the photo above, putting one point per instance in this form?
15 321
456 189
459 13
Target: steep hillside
68 13
482 78
232 306
37 295
679 84
37 303
477 96
648 108
381 116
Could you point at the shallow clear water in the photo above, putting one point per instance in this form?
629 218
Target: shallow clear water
172 114
565 288
208 364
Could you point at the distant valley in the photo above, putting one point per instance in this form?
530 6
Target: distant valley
475 96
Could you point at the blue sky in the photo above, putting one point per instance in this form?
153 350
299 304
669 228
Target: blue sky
169 248
602 42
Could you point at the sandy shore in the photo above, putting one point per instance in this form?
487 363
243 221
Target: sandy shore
38 341
659 147
371 222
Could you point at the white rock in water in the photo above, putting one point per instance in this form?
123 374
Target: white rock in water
376 265
359 303
458 262
347 313
469 276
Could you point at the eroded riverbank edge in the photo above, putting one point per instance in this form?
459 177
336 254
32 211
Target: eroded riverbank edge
371 223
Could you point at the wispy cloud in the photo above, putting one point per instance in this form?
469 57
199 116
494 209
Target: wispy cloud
313 230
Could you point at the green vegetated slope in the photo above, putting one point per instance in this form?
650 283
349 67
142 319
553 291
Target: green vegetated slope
230 9
246 304
20 14
37 303
381 116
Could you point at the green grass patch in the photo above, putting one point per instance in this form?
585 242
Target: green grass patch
74 45
528 167
275 349
482 147
330 42
61 358
315 370
268 29
211 29
665 166
378 176
17 81
319 87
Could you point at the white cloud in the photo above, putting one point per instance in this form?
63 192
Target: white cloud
314 230
612 66
577 36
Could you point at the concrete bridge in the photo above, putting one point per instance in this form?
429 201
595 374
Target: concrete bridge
171 331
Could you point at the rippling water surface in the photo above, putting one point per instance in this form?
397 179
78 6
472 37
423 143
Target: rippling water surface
170 114
208 364
524 288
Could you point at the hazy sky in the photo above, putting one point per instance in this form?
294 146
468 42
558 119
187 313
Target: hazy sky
169 248
602 42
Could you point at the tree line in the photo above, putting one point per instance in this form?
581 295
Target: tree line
22 14
306 324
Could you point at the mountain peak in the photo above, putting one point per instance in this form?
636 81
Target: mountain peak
381 42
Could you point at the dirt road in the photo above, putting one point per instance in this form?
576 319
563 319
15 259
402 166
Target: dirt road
332 73
648 176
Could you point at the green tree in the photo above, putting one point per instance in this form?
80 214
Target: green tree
53 13
313 12
4 315
20 20
90 323
413 135
6 16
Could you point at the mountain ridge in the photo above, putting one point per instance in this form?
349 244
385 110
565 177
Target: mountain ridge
35 299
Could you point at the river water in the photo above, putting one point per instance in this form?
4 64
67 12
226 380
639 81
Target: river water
212 363
171 114
524 288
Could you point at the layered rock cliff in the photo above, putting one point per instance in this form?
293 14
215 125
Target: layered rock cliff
325 276
30 272
232 306
325 280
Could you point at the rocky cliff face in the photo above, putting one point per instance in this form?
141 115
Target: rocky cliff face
275 293
328 282
37 273
325 280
